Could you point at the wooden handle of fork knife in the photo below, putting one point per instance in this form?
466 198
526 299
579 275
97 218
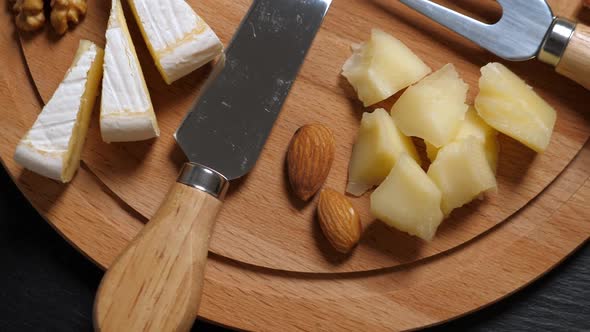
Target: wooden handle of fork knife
575 61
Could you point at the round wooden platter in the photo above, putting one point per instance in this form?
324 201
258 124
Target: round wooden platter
249 288
261 223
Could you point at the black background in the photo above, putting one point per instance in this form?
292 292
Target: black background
46 285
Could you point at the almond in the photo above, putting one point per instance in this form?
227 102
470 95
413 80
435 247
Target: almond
309 159
339 220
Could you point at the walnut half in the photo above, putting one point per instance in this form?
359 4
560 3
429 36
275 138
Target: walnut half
29 14
64 12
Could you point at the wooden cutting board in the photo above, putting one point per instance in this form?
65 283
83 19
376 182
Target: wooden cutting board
262 234
261 223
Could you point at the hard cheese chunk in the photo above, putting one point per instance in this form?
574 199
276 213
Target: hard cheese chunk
381 67
431 151
462 172
179 40
378 146
433 108
53 146
474 126
408 200
126 111
509 105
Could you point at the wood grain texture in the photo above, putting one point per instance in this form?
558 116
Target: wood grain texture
156 284
428 292
575 62
277 231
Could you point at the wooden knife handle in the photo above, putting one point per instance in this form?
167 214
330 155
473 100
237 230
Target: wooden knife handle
575 62
156 284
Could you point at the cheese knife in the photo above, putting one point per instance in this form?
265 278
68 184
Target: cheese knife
526 30
156 283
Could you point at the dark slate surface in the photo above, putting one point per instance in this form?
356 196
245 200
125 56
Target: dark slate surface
45 285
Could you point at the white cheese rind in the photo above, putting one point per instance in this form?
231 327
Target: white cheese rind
126 109
43 163
46 147
179 40
187 57
122 88
127 128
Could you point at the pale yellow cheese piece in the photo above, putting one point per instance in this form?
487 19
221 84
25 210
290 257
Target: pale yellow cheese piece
408 200
474 126
511 106
462 172
381 67
433 108
378 146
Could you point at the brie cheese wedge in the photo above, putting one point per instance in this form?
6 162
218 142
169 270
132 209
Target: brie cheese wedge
126 111
53 146
179 40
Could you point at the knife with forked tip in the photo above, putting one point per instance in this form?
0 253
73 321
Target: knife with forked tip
156 283
527 29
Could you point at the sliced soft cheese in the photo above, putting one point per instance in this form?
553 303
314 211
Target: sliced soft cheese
179 40
126 111
52 147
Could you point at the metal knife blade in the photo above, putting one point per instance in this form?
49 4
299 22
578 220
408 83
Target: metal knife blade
228 126
517 36
157 282
527 29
